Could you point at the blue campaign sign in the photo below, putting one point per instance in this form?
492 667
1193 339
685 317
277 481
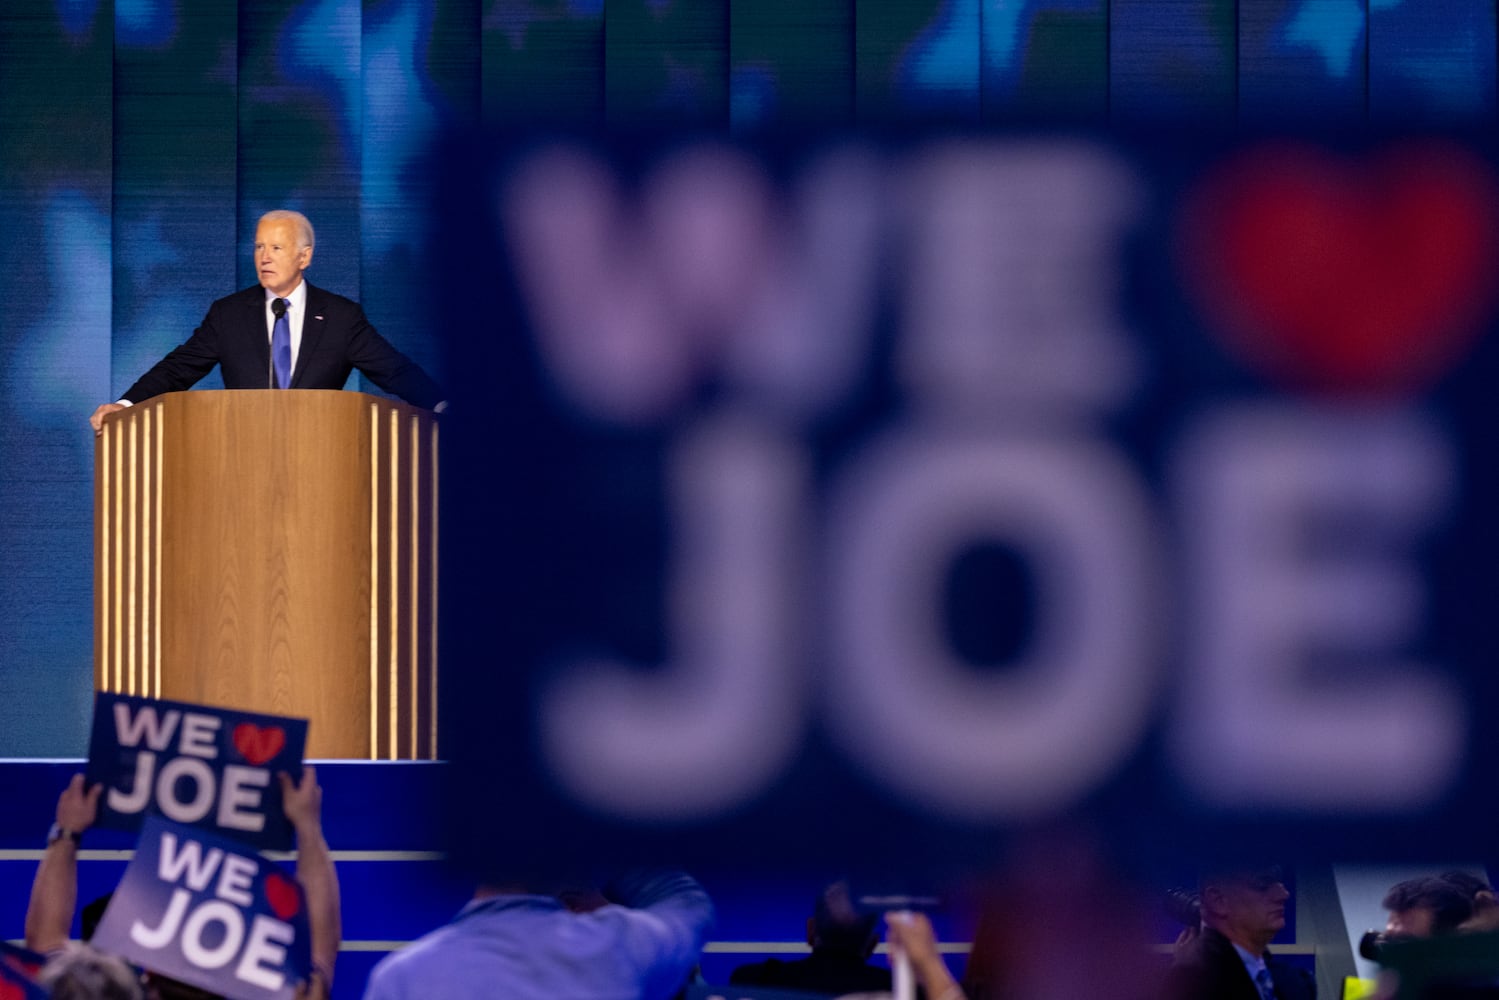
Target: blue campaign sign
202 909
212 768
861 505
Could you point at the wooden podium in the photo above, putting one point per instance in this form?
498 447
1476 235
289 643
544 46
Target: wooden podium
274 551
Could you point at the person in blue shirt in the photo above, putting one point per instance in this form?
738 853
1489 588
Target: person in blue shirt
641 945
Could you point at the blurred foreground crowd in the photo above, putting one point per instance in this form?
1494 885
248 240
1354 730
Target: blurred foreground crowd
1057 926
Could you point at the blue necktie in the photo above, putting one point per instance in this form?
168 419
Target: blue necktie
1266 986
281 349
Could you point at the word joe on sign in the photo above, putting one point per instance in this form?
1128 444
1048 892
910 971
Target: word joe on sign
264 945
195 765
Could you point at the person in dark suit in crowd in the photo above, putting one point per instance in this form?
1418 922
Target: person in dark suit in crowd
842 939
328 335
1242 910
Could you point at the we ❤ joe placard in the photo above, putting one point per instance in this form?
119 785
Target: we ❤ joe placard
210 768
203 909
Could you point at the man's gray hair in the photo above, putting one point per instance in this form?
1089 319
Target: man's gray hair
81 973
297 219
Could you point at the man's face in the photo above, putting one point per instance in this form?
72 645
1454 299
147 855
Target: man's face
1414 922
278 261
1256 902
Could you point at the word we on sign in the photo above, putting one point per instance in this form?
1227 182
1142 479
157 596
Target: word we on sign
204 767
201 909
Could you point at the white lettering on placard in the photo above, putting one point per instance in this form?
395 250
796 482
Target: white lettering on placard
144 725
189 864
195 931
266 944
1033 737
1259 488
164 932
266 947
197 737
141 786
200 735
186 862
719 722
235 880
199 775
240 796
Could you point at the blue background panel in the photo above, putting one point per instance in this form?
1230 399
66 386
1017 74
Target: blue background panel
666 64
1431 59
1046 60
542 62
790 64
1173 61
917 62
1303 62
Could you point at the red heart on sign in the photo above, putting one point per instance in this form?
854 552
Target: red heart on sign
1342 277
283 895
258 745
11 991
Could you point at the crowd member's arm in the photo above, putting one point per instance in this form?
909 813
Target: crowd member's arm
911 933
303 802
663 930
54 893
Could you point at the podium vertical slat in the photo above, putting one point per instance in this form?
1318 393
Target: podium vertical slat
157 554
428 747
379 709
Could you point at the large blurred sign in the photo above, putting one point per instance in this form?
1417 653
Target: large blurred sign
862 503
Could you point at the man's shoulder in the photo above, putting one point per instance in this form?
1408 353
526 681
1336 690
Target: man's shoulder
321 300
1292 982
243 297
771 972
1200 966
413 958
1206 948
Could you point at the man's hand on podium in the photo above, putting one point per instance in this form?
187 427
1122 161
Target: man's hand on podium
97 420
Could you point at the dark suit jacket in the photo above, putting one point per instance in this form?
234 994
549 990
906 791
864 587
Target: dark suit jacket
1208 968
824 971
336 339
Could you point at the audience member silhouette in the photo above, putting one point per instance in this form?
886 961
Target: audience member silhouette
842 939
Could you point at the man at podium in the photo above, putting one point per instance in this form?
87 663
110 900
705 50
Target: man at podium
283 333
